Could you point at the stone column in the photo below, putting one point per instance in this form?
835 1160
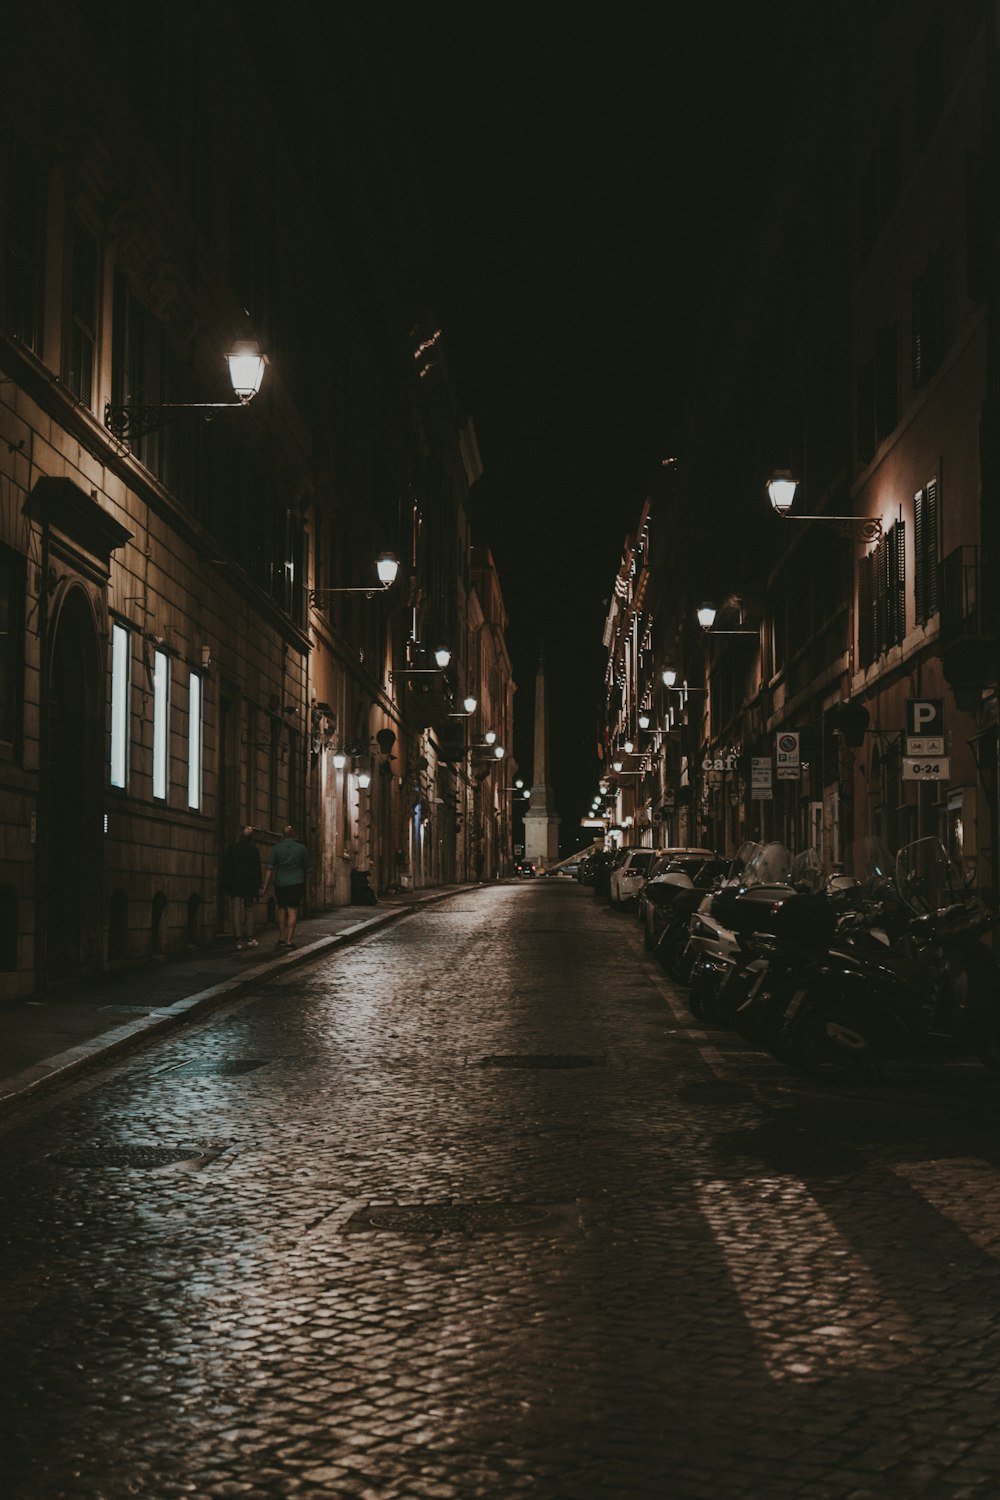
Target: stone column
541 821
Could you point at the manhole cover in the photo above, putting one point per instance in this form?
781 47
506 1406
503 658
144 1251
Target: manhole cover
221 1067
460 1218
542 1060
130 1156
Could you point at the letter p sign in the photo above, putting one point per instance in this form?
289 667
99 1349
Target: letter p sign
925 716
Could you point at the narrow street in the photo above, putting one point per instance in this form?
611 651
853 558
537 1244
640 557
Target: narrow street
471 1210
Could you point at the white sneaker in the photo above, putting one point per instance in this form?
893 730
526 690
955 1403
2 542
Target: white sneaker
239 946
252 943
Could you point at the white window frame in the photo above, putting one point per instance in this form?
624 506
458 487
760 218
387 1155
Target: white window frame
161 725
196 707
121 704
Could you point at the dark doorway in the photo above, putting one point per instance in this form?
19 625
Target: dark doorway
74 789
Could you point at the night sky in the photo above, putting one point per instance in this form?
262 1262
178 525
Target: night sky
591 175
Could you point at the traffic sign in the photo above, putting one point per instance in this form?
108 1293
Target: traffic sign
925 716
924 744
760 779
926 768
786 747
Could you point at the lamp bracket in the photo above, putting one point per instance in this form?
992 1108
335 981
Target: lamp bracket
128 421
852 528
316 596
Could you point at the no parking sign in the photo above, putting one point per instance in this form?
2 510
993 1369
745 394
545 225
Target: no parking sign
787 755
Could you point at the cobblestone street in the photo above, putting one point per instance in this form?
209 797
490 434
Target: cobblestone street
473 1210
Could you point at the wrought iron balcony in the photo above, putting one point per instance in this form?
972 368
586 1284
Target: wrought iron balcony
967 611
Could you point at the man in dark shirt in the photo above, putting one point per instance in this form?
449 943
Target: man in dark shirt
287 867
241 885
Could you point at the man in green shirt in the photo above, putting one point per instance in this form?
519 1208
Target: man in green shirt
287 868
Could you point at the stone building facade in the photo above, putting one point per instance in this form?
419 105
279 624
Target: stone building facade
176 659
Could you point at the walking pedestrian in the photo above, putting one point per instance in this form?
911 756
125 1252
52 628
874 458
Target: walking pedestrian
241 885
287 868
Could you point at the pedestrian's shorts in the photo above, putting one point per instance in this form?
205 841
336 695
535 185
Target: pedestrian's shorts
289 896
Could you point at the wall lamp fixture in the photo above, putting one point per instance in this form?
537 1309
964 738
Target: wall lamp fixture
706 619
386 566
781 489
469 706
442 656
670 678
246 371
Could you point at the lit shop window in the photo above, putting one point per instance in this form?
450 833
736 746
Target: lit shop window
161 723
195 700
120 683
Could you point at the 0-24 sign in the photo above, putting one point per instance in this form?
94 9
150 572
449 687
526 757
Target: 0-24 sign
926 768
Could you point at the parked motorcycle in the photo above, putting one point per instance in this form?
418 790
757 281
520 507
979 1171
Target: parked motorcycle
691 935
935 988
859 910
781 892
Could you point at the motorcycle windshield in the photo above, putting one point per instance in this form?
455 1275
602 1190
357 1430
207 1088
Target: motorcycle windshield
871 863
807 872
770 865
927 878
742 860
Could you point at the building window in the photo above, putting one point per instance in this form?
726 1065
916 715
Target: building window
881 596
930 319
144 373
161 724
195 703
121 677
24 258
925 546
82 314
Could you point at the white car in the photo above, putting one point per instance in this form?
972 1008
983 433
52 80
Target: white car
628 875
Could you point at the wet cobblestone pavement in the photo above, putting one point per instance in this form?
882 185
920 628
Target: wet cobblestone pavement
472 1210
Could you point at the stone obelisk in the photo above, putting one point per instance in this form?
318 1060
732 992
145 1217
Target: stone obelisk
541 821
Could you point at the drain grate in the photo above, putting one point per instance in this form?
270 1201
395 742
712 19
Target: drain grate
543 1060
131 1156
456 1218
220 1067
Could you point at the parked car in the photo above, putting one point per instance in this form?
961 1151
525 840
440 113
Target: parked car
628 875
691 870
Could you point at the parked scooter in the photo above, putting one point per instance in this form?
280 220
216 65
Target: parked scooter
777 884
937 988
860 910
693 935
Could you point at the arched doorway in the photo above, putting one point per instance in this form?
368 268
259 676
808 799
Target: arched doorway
73 786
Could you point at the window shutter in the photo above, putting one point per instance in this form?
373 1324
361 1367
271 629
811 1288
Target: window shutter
931 548
897 583
925 512
919 323
866 610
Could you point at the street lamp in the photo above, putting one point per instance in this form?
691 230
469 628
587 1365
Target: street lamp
781 489
386 566
246 372
706 619
469 706
442 656
339 760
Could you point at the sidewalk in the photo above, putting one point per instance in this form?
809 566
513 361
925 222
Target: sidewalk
44 1040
